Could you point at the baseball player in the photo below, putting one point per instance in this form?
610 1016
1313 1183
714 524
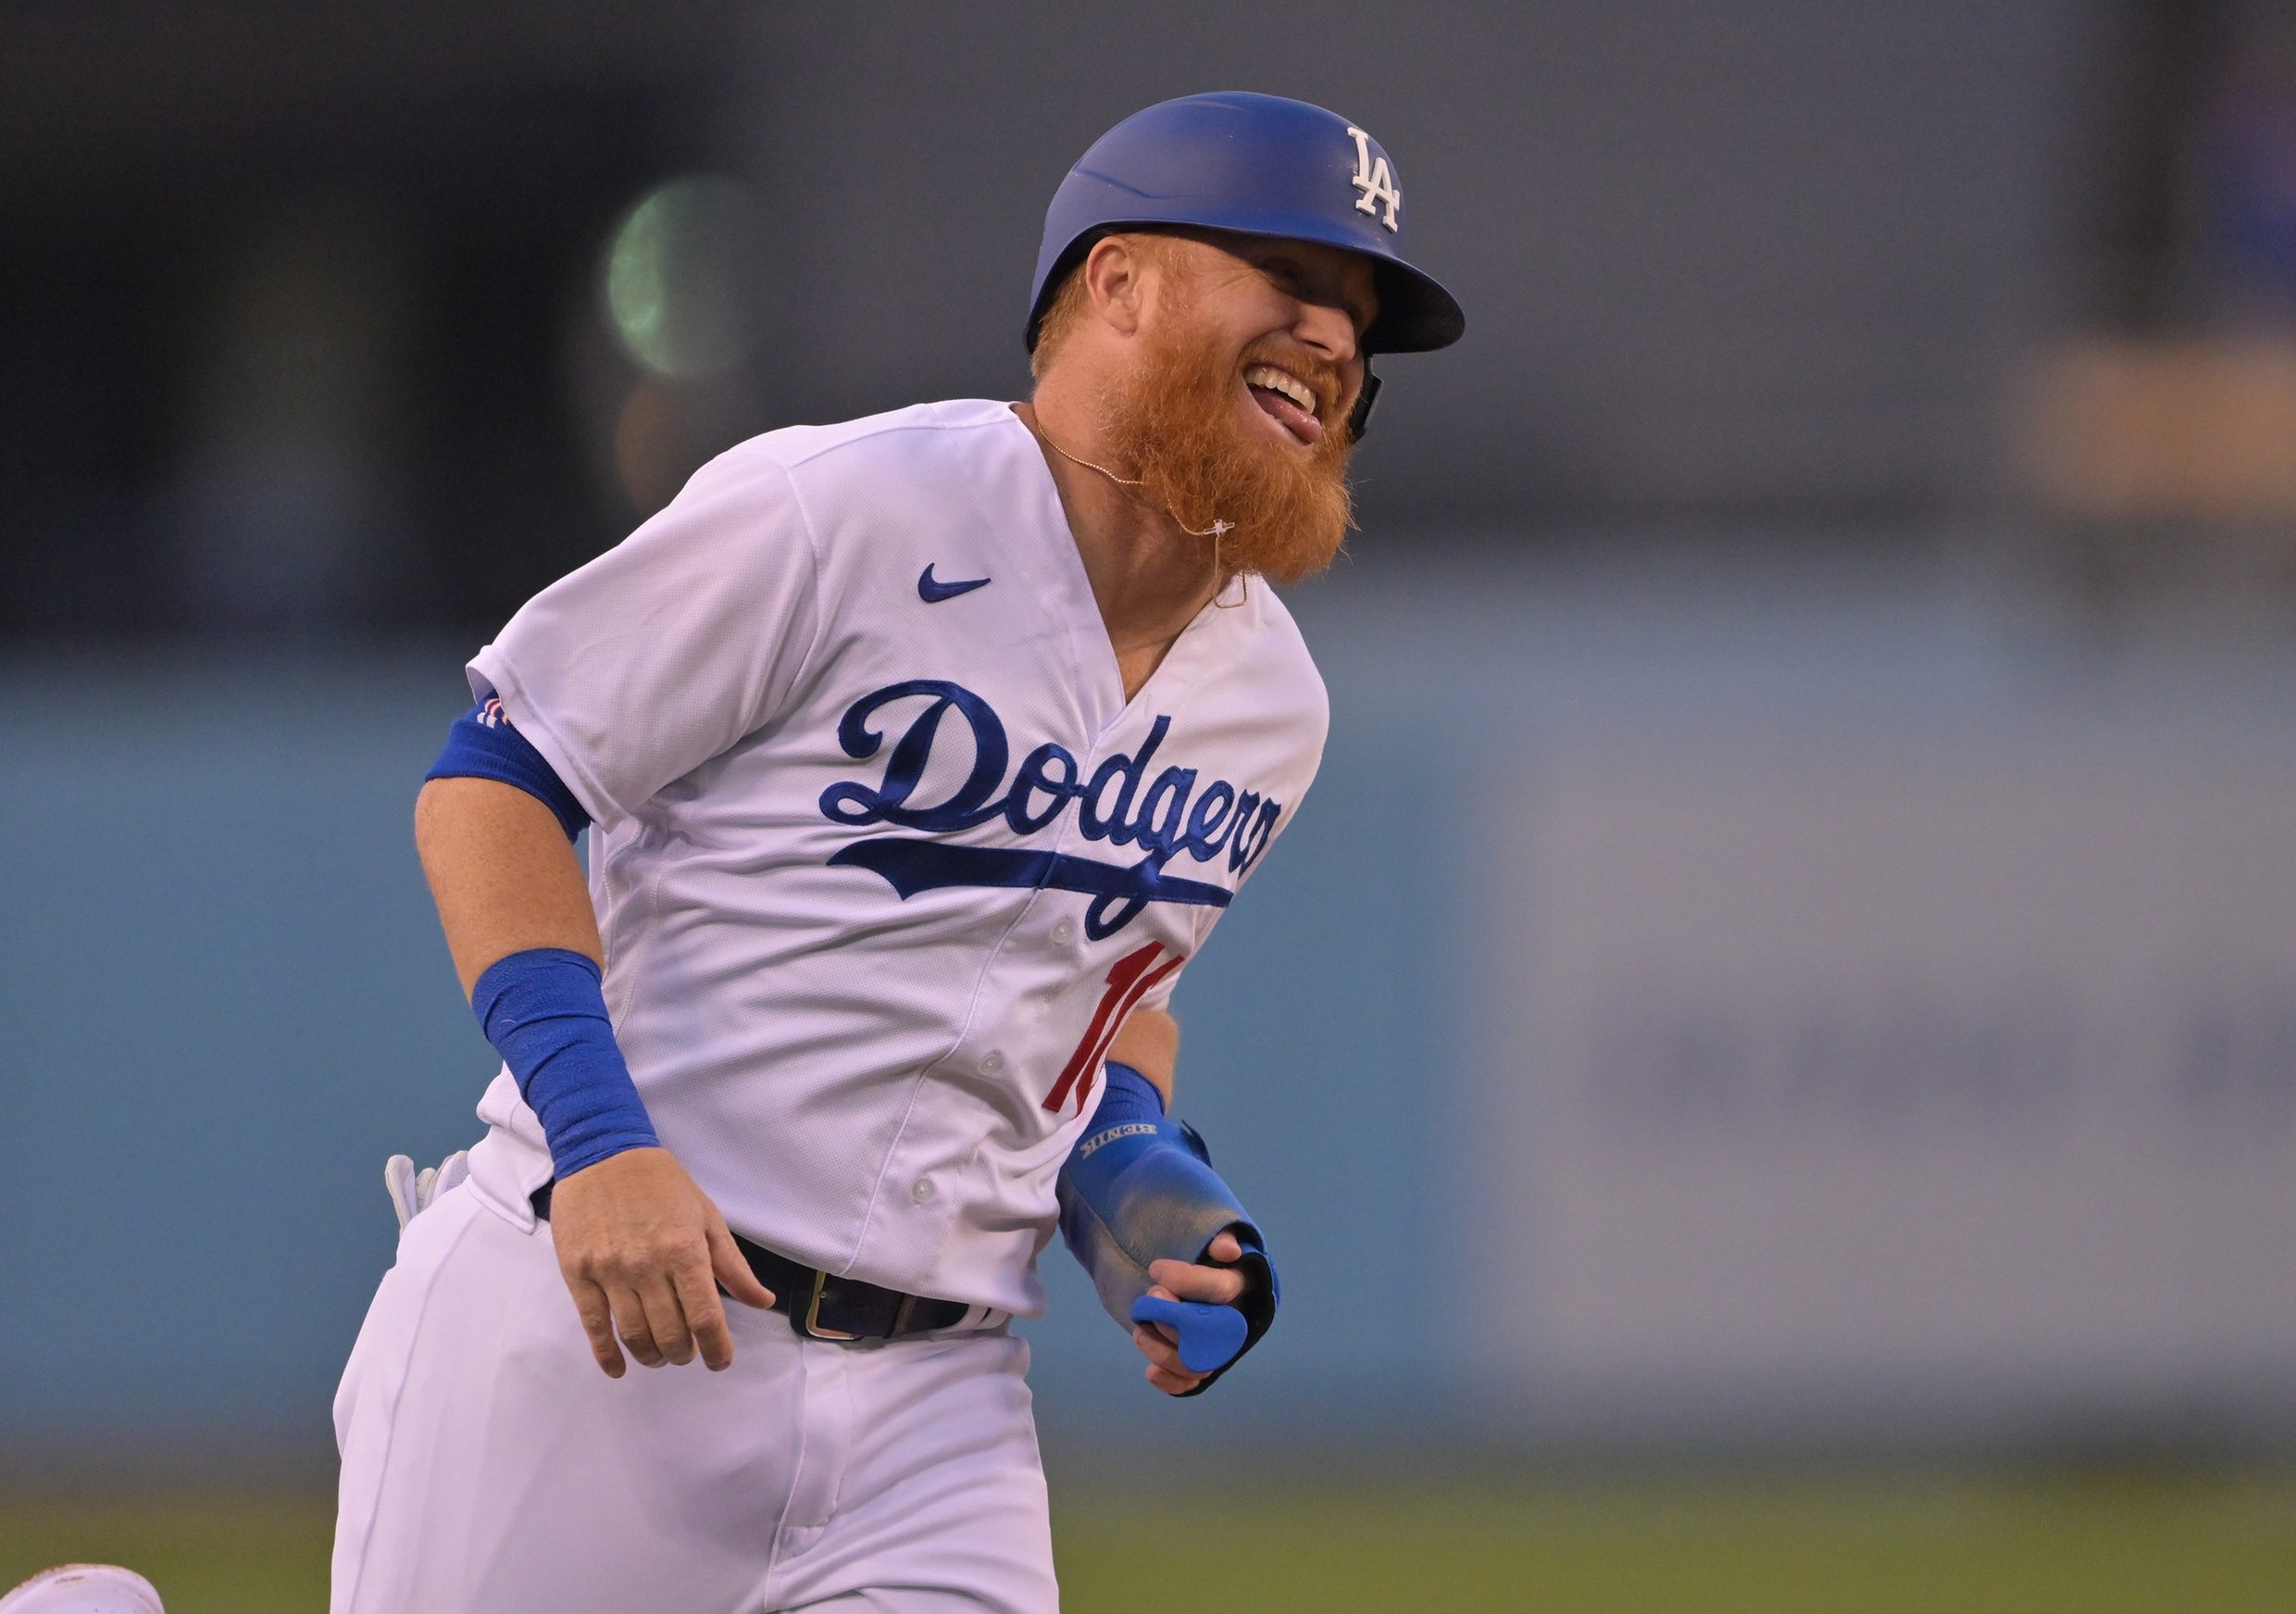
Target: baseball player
918 756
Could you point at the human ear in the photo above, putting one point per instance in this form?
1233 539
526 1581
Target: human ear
1112 273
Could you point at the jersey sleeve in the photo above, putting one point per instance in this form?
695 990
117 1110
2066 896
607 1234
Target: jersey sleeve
669 647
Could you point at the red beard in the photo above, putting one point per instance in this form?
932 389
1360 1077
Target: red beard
1174 426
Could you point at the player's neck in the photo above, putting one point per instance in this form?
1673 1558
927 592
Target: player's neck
1148 577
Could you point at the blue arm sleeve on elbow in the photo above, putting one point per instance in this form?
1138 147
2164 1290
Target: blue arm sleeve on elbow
483 744
1140 1188
545 1011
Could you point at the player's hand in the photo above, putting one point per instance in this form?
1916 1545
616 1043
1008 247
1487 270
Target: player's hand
643 1251
1214 1286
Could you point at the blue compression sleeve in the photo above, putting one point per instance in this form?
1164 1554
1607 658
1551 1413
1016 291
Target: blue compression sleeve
1140 1188
483 744
545 1011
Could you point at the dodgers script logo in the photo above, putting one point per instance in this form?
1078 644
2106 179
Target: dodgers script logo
1165 818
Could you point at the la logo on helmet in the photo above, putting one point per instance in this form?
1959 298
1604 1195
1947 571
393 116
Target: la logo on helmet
1374 179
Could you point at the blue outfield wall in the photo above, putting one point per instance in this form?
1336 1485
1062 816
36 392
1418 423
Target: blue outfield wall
225 994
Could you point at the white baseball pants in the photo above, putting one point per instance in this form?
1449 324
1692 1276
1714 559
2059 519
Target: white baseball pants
489 1466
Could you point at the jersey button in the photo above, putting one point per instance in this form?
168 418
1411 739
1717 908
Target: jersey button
991 1064
921 1190
1063 932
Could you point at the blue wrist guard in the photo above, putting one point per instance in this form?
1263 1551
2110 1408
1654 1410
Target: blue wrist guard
1140 1188
545 1011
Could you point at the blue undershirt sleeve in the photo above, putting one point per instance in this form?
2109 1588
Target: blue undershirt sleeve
483 744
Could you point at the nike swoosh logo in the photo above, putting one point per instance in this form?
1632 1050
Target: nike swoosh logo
932 593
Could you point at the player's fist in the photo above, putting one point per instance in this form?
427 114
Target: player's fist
643 1251
1212 1285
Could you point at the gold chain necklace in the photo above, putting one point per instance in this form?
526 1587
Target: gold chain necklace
1216 531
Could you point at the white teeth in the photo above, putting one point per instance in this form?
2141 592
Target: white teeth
1291 387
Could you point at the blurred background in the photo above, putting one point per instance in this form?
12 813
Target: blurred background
1770 1057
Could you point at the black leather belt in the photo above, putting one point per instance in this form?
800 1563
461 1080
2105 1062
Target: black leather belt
821 1305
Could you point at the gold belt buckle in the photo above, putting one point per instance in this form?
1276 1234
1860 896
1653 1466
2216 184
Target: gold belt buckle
813 1328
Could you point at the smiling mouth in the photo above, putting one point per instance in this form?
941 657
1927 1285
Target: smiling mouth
1286 400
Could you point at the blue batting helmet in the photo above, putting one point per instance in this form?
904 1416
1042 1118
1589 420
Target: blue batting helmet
1259 165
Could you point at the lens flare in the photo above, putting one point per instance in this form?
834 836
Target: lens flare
679 275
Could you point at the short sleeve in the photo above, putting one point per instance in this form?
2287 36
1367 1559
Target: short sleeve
669 647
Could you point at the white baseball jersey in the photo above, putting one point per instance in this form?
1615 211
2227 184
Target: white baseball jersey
883 857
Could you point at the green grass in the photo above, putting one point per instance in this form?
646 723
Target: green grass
237 1555
1852 1546
2107 1545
